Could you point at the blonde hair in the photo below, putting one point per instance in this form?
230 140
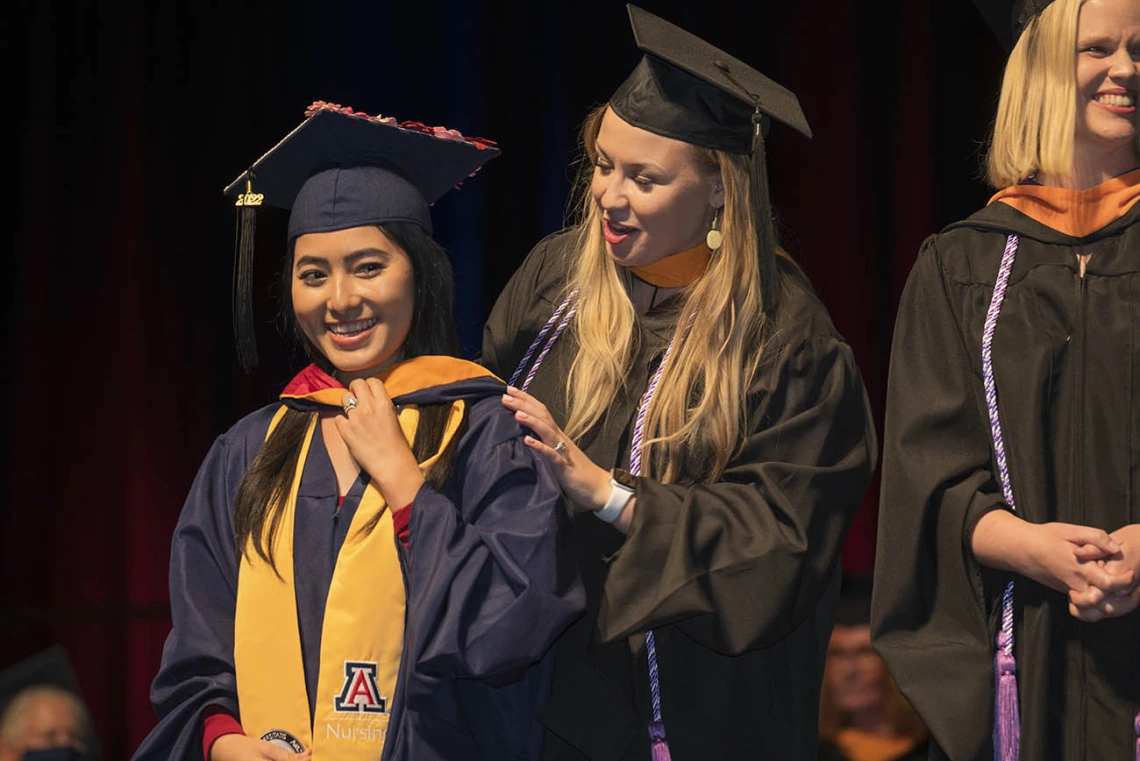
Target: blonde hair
694 423
1036 118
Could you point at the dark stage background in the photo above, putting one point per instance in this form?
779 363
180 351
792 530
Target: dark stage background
130 117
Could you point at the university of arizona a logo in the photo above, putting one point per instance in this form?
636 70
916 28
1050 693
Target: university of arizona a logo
360 693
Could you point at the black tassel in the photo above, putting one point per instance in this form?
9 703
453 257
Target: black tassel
762 213
245 334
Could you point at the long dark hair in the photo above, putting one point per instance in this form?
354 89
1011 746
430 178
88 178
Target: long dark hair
265 487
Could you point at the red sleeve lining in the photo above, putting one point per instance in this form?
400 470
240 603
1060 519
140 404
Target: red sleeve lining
400 519
217 721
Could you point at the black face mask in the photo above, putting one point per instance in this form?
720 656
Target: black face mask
54 754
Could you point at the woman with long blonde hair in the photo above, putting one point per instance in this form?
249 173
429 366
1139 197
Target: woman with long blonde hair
706 421
1009 534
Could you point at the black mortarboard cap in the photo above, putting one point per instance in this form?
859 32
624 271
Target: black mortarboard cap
854 602
342 168
689 90
686 89
1007 18
48 668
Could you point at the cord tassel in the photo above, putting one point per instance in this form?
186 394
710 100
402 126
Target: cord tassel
659 746
1007 716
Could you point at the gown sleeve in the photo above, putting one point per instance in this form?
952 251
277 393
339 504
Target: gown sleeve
197 668
931 611
490 583
740 563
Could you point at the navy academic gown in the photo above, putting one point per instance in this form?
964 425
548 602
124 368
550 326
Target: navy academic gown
485 555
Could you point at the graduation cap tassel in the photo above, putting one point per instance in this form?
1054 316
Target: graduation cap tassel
762 213
245 334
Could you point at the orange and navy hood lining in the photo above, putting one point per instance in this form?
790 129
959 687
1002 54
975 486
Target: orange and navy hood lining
420 380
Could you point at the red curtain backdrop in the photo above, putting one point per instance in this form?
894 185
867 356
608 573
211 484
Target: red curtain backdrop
130 117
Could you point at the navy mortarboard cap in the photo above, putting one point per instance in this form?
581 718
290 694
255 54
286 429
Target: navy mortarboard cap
686 89
49 668
342 168
1008 18
854 602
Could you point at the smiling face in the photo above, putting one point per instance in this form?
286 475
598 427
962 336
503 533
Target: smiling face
353 294
653 196
1108 48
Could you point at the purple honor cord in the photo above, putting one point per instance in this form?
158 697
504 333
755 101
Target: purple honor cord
659 746
1007 719
538 339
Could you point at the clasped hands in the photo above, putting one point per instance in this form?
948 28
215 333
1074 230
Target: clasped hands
1097 570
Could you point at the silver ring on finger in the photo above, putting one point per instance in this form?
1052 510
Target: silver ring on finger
560 447
350 404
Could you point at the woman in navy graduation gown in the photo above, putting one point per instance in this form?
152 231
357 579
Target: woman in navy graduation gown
373 571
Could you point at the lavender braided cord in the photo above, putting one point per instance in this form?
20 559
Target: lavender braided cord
657 727
643 408
635 469
546 349
654 679
1005 637
538 339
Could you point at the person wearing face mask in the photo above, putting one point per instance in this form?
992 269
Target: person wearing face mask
372 567
1009 537
704 417
42 717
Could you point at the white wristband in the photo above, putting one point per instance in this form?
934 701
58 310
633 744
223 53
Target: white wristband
620 495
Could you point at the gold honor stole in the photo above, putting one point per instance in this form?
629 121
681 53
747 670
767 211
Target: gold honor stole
363 632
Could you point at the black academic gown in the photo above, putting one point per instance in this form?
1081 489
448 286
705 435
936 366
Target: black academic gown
737 578
485 558
1066 367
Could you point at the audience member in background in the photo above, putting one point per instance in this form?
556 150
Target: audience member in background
41 715
862 714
